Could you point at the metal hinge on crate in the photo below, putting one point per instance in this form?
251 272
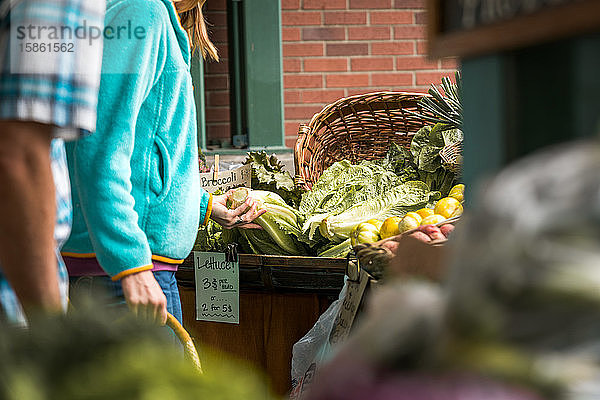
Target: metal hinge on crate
231 253
356 286
352 268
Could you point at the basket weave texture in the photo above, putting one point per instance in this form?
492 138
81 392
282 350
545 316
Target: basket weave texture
355 128
451 157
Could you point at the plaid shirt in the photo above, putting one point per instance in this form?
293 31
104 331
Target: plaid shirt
57 88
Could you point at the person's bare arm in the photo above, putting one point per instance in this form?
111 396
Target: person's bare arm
28 214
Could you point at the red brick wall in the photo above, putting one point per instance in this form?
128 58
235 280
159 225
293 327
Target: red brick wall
333 49
216 75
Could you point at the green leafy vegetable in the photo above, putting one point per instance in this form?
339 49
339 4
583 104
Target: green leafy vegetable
452 136
400 161
281 223
209 237
341 186
425 149
268 174
260 242
213 237
429 159
397 201
336 250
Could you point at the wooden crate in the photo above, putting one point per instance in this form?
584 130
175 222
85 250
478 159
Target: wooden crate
281 298
289 274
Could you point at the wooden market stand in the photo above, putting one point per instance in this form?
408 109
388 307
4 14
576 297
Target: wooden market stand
281 298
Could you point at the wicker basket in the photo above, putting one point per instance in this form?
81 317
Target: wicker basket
355 128
451 157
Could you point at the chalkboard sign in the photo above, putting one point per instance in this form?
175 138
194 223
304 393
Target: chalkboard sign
470 27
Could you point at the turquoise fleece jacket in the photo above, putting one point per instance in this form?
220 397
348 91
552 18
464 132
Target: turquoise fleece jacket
136 190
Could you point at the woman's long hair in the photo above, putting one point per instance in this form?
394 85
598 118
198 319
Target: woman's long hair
192 20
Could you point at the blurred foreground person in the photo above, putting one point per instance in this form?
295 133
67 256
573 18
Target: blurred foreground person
518 317
45 96
87 355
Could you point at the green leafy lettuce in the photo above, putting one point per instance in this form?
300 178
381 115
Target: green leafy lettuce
340 187
426 160
280 223
213 237
396 201
268 174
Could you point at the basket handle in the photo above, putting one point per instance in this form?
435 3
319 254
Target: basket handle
299 180
186 340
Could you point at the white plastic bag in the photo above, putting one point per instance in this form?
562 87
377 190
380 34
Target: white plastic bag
313 349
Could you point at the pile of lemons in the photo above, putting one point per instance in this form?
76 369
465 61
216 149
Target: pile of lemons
448 207
445 208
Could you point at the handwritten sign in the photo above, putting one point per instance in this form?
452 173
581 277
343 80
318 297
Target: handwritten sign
225 180
217 288
350 303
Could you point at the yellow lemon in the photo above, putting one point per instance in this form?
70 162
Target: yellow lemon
414 215
389 227
375 222
458 212
433 219
410 221
425 212
446 206
458 192
460 188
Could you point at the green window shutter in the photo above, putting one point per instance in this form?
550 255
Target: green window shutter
198 81
263 73
256 77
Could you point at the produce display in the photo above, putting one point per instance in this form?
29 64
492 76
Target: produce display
350 203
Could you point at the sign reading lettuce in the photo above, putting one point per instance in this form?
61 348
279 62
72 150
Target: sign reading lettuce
217 288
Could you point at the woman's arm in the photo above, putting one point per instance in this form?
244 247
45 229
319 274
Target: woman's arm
101 163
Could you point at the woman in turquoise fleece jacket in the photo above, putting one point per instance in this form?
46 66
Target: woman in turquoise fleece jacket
136 193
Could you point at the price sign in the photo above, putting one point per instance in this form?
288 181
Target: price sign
350 303
217 288
225 180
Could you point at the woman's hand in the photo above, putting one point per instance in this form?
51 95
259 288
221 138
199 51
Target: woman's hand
240 217
145 296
